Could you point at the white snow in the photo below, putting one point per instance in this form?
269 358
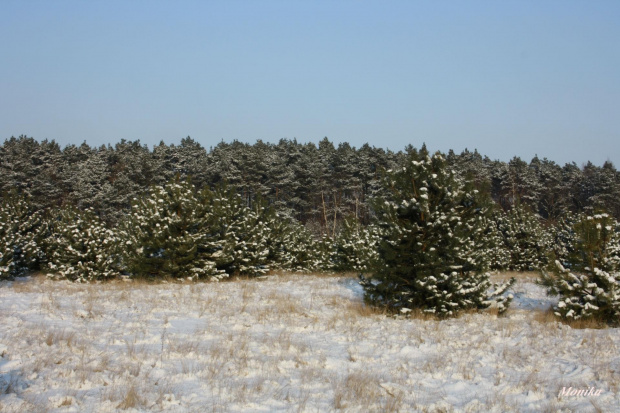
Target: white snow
286 343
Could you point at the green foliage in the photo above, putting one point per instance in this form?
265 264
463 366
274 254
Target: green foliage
324 254
528 242
356 247
589 287
498 251
241 232
433 250
20 234
565 238
178 232
79 247
172 233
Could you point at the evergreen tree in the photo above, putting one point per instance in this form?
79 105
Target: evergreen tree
21 231
169 233
243 233
324 256
552 202
32 169
192 160
564 238
589 285
356 247
91 183
80 247
498 251
431 225
527 240
292 247
132 170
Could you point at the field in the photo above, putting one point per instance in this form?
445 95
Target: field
287 343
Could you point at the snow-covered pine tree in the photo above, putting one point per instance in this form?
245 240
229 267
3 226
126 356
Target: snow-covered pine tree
80 247
169 233
527 240
20 235
498 252
431 225
242 231
293 248
278 256
590 286
564 238
324 254
356 247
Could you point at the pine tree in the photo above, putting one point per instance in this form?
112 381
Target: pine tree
21 231
498 252
564 237
589 283
169 233
356 247
431 225
292 247
527 240
242 231
80 247
324 254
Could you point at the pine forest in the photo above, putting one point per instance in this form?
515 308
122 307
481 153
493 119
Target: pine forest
422 229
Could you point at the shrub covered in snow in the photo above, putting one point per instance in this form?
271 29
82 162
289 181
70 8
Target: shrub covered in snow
433 249
20 233
588 284
80 247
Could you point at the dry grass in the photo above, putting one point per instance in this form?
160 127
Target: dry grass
548 317
518 275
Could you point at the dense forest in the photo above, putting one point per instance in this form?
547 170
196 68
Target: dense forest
318 185
428 227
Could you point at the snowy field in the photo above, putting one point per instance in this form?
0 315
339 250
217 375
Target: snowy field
286 343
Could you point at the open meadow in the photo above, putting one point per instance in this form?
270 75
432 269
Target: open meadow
303 343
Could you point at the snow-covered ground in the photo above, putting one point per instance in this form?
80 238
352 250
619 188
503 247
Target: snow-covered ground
286 343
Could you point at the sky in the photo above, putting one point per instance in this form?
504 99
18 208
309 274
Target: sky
508 78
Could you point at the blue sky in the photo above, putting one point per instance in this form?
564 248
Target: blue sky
506 77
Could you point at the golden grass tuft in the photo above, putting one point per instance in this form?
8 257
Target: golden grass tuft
131 399
548 316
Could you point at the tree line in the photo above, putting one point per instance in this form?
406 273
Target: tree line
320 185
427 227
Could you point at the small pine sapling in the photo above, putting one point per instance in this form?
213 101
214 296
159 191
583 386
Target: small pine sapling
588 283
528 242
80 247
356 247
171 234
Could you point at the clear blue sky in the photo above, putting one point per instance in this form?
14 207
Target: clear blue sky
505 77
